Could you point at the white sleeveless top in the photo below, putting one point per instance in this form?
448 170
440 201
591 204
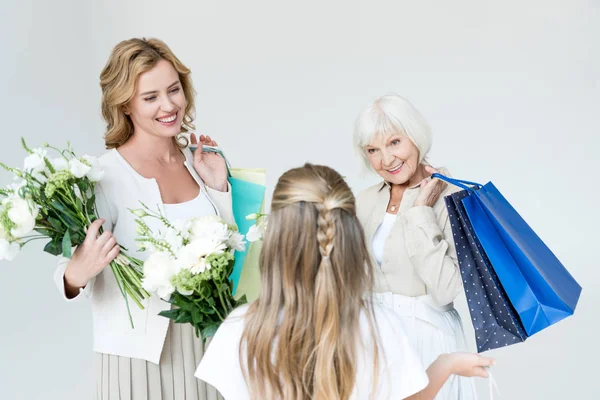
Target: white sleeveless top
197 207
401 373
383 231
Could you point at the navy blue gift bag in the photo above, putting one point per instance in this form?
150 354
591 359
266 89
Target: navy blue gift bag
495 321
538 286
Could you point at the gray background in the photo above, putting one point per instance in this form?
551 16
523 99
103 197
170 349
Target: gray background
510 88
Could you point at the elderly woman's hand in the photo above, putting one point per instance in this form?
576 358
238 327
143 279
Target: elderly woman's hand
430 190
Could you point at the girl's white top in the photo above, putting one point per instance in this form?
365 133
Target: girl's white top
400 373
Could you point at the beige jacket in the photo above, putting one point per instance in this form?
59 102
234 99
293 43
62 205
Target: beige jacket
419 256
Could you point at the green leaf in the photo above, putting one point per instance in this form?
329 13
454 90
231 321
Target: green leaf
171 314
70 219
66 245
205 292
77 238
206 309
241 300
185 305
184 317
171 300
225 288
58 206
197 316
89 205
55 223
76 228
83 186
210 330
53 248
79 203
44 231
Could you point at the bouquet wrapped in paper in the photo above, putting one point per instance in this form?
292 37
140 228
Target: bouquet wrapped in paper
53 198
189 266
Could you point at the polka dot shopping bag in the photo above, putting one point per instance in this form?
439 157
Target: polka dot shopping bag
515 286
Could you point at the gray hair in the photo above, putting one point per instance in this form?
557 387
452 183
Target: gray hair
390 115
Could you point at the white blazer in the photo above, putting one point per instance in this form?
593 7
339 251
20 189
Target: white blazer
122 188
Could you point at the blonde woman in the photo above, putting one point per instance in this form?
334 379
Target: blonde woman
147 102
312 333
408 233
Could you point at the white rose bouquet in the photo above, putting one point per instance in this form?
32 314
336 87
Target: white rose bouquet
189 266
53 198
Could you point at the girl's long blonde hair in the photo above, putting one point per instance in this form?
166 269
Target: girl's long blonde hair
128 60
302 334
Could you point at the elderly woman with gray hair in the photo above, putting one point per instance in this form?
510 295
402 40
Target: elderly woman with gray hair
406 225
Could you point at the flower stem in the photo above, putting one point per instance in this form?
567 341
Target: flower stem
119 278
223 303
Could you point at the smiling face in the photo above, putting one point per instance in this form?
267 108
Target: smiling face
158 105
394 157
393 139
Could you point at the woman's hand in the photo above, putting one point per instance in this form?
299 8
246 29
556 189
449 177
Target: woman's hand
210 167
90 258
430 190
468 364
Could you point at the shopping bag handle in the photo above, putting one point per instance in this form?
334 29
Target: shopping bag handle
457 182
492 384
216 150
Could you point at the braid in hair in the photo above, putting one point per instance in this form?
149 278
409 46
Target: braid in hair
315 269
325 230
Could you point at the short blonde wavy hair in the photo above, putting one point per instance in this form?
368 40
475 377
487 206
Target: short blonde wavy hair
128 60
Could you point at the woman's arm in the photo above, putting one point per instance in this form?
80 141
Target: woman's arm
463 364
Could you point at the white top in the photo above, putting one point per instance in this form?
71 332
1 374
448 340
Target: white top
121 189
200 206
381 235
401 373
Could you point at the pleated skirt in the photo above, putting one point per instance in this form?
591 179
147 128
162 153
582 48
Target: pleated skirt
430 342
432 330
123 378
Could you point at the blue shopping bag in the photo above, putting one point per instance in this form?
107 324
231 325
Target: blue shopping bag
247 197
494 319
539 287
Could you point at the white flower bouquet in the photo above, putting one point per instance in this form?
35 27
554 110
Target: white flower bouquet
189 266
53 198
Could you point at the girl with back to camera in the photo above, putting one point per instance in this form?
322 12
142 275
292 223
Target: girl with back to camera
313 332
